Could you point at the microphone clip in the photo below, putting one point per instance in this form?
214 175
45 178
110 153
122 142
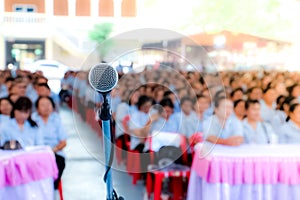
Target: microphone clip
105 113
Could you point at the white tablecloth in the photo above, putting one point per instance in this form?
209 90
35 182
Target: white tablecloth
249 172
27 174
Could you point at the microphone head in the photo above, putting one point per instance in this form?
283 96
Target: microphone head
103 78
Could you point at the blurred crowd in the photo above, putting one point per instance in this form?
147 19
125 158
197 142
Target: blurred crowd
230 108
29 115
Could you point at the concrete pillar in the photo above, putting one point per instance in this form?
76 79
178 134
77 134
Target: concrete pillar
2 3
49 10
49 48
49 4
94 8
117 8
139 8
72 8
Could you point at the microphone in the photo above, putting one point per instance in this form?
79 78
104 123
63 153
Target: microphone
103 78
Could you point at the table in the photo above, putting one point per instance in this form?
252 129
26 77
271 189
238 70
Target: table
248 172
27 174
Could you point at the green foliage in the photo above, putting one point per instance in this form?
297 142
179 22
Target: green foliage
262 17
100 34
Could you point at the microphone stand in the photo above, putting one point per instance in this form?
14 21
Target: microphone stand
105 116
104 84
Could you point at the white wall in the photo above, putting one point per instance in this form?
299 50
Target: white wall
74 61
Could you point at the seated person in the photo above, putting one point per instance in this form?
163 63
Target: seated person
43 89
202 106
21 127
222 128
139 129
237 94
54 135
169 94
290 131
163 123
185 122
140 123
6 106
64 94
239 109
126 108
279 119
256 131
268 104
255 93
18 87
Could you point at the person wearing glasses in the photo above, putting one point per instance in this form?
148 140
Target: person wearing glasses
221 127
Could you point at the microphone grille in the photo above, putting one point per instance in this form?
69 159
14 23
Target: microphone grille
103 77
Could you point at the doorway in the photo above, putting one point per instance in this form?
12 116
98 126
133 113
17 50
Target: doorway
21 53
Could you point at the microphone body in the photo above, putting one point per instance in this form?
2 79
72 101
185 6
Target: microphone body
103 78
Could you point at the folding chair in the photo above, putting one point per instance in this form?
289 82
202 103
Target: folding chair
158 140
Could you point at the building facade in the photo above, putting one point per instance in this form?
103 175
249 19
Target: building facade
54 29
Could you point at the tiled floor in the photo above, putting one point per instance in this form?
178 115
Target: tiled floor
83 175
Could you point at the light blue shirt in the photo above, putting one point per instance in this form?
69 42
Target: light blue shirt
278 120
137 120
123 110
162 125
3 91
29 89
115 101
98 98
76 83
261 135
184 124
64 82
82 87
177 107
267 113
4 119
29 136
209 112
289 133
56 100
232 127
53 131
33 96
70 82
201 121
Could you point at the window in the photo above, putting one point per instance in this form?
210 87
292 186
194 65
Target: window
29 8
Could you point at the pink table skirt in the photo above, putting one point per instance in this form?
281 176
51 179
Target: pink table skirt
200 190
25 166
248 164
